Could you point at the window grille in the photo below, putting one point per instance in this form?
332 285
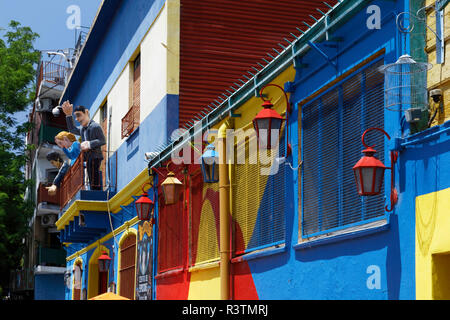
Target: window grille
332 125
171 242
258 198
204 221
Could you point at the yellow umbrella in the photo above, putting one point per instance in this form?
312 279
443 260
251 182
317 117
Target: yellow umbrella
109 296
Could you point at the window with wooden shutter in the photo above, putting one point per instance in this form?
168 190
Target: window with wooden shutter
104 124
77 272
128 266
332 125
137 81
131 120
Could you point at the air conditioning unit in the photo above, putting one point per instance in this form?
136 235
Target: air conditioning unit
44 104
48 220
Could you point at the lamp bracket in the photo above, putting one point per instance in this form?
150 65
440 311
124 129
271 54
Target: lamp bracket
322 53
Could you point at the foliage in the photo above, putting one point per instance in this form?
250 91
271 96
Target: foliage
18 60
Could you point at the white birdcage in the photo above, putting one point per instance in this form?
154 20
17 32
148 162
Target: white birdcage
406 86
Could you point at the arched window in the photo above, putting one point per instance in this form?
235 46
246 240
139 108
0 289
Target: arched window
98 281
77 277
127 266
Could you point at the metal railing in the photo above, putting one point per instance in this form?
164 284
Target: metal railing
21 280
43 195
50 256
73 181
130 121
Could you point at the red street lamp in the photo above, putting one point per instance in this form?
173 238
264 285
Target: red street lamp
369 172
268 121
144 205
104 262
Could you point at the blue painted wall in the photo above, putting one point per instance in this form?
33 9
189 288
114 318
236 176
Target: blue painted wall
49 287
341 269
153 131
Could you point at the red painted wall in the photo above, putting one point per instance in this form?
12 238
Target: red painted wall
220 40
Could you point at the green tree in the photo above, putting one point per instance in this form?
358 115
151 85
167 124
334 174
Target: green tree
18 60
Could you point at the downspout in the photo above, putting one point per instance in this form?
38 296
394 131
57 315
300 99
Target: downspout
224 221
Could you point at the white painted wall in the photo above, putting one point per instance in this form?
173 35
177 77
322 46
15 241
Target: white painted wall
157 49
154 65
118 104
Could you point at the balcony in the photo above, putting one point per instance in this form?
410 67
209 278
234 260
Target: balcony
73 182
21 280
43 195
52 73
50 257
130 121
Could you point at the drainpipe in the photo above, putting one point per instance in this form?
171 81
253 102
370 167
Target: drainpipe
224 200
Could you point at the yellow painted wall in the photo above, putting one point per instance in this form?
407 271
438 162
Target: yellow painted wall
433 245
205 284
93 270
439 75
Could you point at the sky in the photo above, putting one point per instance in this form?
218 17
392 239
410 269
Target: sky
53 20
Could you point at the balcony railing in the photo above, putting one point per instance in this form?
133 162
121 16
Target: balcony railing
43 195
52 72
73 181
130 121
21 280
50 257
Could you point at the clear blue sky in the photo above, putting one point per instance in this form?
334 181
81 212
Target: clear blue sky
49 19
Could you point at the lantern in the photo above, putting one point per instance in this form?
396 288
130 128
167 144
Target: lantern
369 172
266 122
144 207
171 189
210 164
104 262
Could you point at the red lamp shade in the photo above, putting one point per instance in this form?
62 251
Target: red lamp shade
264 122
369 174
144 207
104 262
171 189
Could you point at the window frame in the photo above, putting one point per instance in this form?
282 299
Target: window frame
236 253
340 229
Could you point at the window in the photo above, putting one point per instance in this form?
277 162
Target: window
258 198
171 241
77 277
104 124
332 125
131 120
127 266
137 81
204 221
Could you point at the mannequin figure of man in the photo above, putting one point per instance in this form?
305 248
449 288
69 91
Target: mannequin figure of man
92 138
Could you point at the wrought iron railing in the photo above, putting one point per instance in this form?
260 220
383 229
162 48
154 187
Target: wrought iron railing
130 121
73 181
43 195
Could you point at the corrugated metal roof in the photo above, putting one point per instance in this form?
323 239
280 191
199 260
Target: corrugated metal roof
220 40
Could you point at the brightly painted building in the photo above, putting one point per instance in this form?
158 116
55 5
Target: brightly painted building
289 227
146 69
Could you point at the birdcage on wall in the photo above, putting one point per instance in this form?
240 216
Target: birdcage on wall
406 87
